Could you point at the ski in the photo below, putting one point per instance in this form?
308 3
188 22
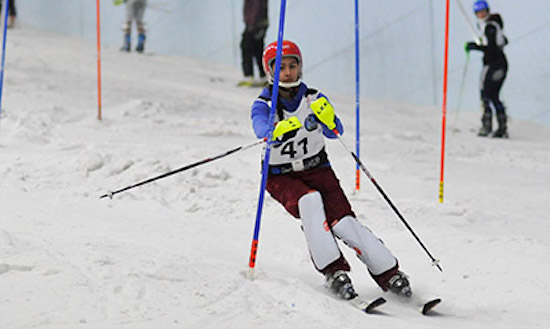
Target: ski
366 306
425 306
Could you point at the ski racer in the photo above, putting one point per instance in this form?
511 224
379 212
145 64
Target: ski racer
301 178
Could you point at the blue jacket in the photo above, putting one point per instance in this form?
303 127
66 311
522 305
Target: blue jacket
260 111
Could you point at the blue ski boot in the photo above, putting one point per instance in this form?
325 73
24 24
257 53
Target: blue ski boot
127 41
141 43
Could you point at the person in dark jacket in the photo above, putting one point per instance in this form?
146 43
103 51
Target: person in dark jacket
12 13
495 68
252 41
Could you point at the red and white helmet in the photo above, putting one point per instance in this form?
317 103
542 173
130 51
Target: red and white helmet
290 49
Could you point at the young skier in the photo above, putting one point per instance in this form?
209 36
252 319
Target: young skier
494 69
135 9
301 178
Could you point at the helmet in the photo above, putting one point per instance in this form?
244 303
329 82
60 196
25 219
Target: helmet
290 49
480 5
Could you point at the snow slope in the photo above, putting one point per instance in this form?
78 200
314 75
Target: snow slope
173 254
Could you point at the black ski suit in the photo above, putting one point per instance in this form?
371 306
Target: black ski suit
494 72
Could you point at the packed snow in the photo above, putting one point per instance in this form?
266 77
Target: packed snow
174 253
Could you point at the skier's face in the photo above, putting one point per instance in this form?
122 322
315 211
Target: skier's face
290 69
482 14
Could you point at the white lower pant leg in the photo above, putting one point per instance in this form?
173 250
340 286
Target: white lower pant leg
321 243
369 248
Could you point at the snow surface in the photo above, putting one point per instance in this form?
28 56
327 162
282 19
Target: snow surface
174 253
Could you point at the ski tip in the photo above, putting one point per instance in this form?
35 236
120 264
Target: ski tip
428 306
374 304
367 306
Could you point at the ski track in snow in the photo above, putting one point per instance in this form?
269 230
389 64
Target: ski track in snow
174 253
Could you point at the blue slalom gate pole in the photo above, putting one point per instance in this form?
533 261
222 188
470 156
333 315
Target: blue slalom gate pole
357 98
265 167
3 53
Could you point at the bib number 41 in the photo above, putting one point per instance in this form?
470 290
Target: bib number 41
290 148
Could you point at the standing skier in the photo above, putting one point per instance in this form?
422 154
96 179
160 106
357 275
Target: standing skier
494 70
252 41
301 178
12 13
135 9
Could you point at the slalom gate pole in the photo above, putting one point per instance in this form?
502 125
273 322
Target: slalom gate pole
98 61
182 169
265 167
357 98
477 38
435 262
444 103
3 52
461 89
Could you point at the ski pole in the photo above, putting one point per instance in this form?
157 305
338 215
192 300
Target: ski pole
477 38
110 194
435 262
461 90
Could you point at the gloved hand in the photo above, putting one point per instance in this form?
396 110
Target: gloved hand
285 126
324 112
469 46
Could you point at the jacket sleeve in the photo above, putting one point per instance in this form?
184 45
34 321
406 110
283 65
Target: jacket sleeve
491 35
492 49
260 118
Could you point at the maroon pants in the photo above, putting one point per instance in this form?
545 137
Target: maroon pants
289 188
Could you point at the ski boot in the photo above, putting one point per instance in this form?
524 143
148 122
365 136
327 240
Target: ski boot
141 43
11 22
340 284
127 41
501 132
247 82
260 83
399 285
487 125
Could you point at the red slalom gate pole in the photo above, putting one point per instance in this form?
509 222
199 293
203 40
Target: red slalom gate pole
444 105
98 62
